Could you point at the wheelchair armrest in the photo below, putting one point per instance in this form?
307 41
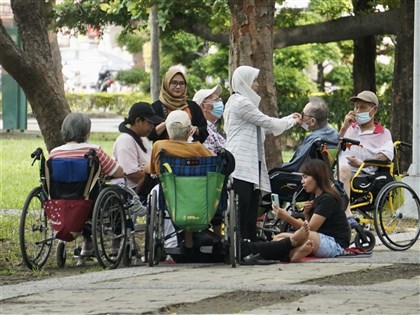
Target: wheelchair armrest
376 162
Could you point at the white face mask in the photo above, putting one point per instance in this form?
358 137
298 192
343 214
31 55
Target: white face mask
305 126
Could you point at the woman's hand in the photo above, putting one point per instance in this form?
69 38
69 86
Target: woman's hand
278 212
298 118
307 206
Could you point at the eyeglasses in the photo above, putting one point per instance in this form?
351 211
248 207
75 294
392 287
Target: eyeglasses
181 84
212 100
303 114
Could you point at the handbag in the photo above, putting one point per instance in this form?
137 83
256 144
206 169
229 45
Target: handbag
68 217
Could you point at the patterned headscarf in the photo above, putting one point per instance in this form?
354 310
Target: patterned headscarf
172 103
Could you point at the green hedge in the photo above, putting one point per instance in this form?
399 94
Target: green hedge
116 103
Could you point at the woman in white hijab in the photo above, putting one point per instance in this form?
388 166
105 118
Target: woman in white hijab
245 126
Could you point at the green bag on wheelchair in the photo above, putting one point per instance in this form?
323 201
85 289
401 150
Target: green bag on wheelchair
192 200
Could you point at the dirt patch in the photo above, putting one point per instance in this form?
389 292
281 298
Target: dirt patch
239 301
232 302
370 275
22 274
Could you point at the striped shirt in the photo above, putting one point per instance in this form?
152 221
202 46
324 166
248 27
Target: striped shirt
78 150
245 126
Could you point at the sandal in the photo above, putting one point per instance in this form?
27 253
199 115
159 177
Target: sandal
256 259
353 252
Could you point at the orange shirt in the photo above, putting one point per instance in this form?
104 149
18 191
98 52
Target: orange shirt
176 148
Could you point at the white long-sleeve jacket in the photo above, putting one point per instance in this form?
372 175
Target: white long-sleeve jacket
245 126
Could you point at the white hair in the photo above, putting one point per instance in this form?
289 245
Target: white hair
177 131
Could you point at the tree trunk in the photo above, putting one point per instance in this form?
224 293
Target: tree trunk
33 68
56 56
364 54
155 63
364 64
320 79
402 94
251 44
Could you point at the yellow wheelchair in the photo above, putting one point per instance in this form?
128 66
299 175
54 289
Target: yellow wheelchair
384 201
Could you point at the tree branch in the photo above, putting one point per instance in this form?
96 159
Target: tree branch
345 28
183 22
11 57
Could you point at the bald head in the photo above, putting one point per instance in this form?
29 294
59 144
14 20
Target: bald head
317 109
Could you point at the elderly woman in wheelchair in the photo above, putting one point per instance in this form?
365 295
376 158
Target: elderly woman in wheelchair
75 132
63 203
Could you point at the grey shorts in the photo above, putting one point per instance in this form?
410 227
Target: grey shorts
328 247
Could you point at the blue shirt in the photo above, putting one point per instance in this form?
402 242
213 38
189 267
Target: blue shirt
303 150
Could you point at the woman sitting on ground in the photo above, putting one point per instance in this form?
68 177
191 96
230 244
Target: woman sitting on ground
324 233
330 231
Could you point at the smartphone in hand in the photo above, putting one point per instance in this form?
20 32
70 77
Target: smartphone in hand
275 199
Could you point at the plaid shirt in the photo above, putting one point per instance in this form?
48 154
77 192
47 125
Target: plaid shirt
215 141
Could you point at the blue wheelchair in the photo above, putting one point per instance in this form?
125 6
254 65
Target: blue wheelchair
72 199
188 197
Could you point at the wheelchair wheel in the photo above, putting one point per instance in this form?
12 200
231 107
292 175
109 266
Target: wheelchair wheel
366 241
126 259
35 234
396 217
61 254
109 230
155 232
232 228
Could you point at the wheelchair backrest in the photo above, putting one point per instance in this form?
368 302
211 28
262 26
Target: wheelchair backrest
70 178
321 149
195 166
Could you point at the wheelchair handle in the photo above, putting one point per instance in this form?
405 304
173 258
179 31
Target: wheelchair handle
36 154
346 143
90 154
325 141
347 140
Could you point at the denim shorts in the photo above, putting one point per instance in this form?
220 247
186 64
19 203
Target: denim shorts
328 247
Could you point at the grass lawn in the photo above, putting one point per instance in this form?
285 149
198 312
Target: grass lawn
18 178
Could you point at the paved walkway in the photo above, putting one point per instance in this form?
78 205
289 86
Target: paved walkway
145 290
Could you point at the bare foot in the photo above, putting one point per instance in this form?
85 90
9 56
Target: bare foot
301 235
302 251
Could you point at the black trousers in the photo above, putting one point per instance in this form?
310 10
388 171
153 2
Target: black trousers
248 203
276 250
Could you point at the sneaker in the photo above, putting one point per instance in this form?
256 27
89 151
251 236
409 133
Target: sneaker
115 247
87 248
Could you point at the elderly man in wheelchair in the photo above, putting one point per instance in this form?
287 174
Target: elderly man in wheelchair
375 142
181 164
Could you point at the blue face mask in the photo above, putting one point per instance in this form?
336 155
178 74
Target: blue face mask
363 118
218 108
